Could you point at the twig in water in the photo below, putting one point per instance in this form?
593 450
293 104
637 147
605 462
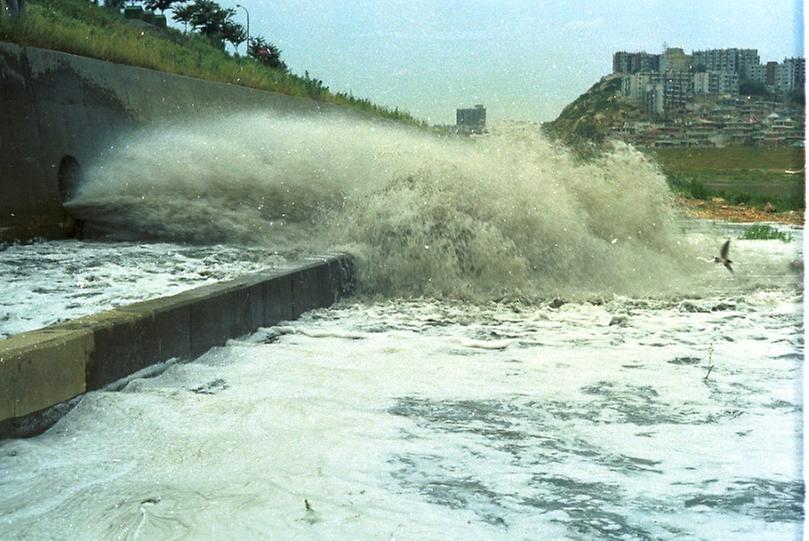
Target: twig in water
710 363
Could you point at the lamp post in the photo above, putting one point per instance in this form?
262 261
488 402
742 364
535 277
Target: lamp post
248 25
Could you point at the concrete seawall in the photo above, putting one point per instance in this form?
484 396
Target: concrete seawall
46 367
59 112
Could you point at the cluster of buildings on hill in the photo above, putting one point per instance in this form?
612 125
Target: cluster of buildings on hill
667 82
710 98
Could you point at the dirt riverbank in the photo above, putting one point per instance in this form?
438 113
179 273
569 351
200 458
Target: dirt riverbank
719 209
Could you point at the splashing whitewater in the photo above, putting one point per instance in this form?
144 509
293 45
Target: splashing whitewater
506 214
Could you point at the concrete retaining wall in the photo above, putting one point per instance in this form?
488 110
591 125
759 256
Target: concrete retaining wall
43 368
54 105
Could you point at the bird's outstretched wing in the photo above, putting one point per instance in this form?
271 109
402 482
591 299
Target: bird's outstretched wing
723 253
728 267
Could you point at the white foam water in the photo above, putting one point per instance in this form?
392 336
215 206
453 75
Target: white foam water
622 417
48 282
535 351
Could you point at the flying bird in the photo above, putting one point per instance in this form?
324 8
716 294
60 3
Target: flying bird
723 257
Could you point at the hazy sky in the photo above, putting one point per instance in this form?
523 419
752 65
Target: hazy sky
525 60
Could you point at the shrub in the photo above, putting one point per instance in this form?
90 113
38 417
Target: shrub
765 232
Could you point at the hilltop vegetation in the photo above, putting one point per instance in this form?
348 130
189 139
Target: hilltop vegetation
753 176
80 27
588 118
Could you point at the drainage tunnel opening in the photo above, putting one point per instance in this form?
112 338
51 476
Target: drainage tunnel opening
69 176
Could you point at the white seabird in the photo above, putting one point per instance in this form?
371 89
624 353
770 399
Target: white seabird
723 256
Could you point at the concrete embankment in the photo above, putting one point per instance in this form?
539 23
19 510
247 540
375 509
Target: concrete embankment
59 112
46 367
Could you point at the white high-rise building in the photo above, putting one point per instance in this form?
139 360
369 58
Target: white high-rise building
736 60
757 73
716 82
635 85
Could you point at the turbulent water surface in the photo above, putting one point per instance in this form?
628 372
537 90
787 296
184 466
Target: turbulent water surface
48 282
670 416
535 350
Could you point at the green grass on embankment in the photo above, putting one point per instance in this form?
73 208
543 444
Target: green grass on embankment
749 175
80 27
765 232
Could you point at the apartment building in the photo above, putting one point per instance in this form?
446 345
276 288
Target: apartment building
654 99
716 82
789 75
678 89
471 120
626 62
635 85
739 61
757 73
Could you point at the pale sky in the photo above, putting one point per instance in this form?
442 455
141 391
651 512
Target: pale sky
523 59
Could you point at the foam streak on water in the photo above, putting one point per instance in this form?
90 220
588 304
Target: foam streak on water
429 419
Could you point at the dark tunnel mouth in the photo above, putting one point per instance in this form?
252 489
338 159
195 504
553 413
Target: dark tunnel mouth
68 176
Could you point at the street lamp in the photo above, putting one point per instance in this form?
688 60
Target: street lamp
248 25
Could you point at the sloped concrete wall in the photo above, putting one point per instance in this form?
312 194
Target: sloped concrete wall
54 105
42 368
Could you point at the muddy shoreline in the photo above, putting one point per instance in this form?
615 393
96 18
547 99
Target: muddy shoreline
719 209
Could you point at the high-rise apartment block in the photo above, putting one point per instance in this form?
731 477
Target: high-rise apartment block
739 61
471 120
672 79
716 82
678 89
790 74
624 62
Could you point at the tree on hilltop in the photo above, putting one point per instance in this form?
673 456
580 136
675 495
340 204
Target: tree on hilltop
265 53
233 33
114 5
208 18
162 5
182 14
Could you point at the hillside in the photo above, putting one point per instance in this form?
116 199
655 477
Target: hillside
743 175
588 118
86 29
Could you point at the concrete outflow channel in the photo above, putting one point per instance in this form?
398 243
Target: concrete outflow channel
42 370
60 112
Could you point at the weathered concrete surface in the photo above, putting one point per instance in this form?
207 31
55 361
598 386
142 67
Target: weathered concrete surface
43 368
54 105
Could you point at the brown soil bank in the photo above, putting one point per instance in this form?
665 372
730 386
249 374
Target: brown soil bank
719 209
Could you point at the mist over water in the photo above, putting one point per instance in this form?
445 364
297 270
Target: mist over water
507 214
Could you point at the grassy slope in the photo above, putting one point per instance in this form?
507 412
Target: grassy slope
79 27
751 175
589 116
731 158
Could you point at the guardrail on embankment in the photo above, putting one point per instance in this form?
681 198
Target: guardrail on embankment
44 368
